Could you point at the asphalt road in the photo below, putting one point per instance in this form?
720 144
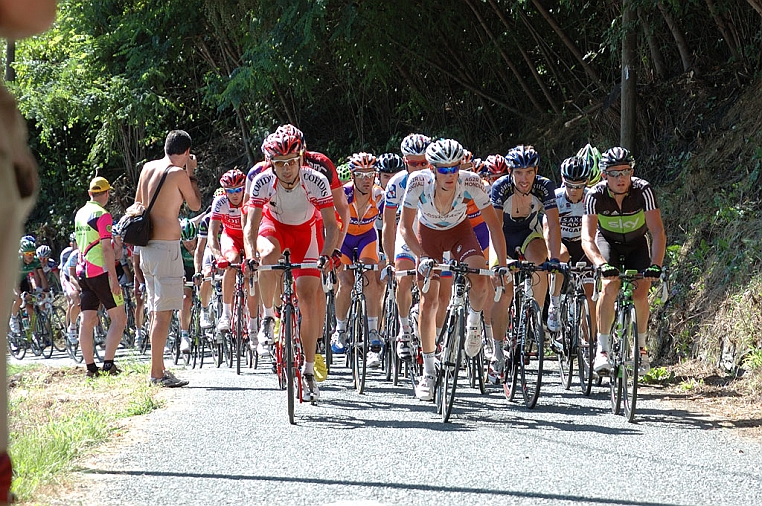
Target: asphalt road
227 440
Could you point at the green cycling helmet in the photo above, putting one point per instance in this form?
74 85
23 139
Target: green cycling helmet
345 174
591 156
27 246
188 230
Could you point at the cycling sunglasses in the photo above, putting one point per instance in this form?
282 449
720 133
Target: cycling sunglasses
286 161
364 175
423 163
448 170
573 186
618 173
234 190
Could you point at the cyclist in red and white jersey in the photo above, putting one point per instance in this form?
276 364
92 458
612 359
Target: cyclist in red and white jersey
281 216
228 246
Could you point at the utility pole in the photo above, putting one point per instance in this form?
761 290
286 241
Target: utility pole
628 125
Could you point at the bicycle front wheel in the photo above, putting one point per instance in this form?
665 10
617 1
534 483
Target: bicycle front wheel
532 352
45 333
16 345
360 344
565 343
630 364
585 338
329 325
286 331
58 321
450 363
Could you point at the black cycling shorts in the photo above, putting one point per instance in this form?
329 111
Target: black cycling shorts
576 253
96 291
634 255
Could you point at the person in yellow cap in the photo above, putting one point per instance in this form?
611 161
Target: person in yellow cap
96 276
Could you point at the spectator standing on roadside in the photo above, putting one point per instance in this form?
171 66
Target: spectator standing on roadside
160 260
96 275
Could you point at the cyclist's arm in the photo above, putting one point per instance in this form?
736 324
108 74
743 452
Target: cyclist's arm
332 232
554 233
198 256
40 279
589 228
495 233
251 230
389 233
658 236
214 238
408 233
342 207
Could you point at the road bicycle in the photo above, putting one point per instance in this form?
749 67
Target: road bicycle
358 340
239 324
289 355
575 339
411 368
38 330
625 352
452 338
526 338
128 337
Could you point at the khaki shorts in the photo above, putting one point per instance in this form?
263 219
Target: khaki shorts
162 266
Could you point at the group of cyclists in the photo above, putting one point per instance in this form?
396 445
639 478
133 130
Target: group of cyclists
431 203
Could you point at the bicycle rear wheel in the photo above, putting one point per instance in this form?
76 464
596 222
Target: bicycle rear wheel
17 345
193 336
58 320
329 325
286 331
585 337
450 363
615 378
238 325
533 346
44 333
565 338
630 364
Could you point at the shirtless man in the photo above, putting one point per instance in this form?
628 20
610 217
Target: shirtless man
160 259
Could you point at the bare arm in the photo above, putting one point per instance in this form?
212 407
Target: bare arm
658 236
189 185
589 228
342 207
214 238
497 238
389 233
251 230
331 230
198 256
408 233
554 233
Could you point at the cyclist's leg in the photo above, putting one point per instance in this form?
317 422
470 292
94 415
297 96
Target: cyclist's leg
536 251
230 252
270 246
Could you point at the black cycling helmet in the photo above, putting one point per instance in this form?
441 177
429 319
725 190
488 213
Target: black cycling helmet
522 157
390 163
616 156
574 169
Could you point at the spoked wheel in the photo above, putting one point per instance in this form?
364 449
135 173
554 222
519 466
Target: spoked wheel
286 330
477 372
532 355
630 364
329 325
565 337
512 372
391 329
229 348
359 341
218 351
585 347
450 364
238 338
615 375
17 345
59 329
44 332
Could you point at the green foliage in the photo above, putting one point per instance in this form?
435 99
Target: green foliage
658 375
753 360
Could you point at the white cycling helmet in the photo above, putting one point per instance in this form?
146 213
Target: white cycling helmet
444 152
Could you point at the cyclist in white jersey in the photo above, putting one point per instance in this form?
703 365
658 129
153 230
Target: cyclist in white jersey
440 197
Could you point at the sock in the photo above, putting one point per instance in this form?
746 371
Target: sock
341 325
309 368
555 300
269 312
429 369
474 318
107 364
498 346
92 367
183 335
252 326
227 309
372 324
603 342
488 331
405 323
642 337
278 310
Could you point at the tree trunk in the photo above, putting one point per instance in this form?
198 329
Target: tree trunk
720 22
524 54
10 58
568 42
677 34
628 121
653 46
757 5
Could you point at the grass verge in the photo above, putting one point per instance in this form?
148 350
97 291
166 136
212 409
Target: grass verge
57 415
